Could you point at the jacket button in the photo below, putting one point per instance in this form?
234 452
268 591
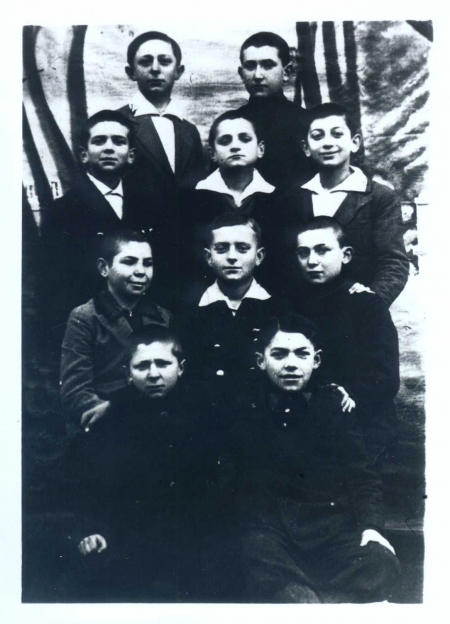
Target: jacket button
220 373
216 346
164 414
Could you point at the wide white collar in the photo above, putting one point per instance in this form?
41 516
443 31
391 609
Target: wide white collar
104 189
213 294
215 182
141 106
356 181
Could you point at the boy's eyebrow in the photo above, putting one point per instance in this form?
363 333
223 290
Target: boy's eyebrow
279 350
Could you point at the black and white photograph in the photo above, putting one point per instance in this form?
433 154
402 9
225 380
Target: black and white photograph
222 311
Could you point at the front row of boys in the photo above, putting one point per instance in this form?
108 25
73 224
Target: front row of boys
295 452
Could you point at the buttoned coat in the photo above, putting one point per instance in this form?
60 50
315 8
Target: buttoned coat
373 222
92 351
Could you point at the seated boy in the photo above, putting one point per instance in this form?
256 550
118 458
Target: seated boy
370 212
143 478
91 364
311 507
220 327
359 337
235 147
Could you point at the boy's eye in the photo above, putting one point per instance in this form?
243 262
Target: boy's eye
119 140
245 138
249 65
243 248
224 140
302 253
220 248
162 363
316 136
148 263
128 261
267 65
98 140
165 60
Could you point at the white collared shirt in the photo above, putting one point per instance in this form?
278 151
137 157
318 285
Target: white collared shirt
215 182
213 294
327 201
113 196
164 126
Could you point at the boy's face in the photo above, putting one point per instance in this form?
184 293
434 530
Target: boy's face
155 69
262 71
234 253
289 361
330 142
320 255
236 144
131 270
108 149
155 370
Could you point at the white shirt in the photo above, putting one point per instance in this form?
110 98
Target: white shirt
327 201
215 182
164 126
113 196
213 294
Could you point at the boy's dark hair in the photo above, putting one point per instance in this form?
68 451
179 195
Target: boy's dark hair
324 223
291 323
230 219
149 36
149 334
327 110
105 115
231 114
258 40
109 244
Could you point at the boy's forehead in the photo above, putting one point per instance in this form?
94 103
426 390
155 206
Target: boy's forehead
233 126
134 248
155 47
262 53
234 234
291 341
311 238
109 128
327 123
154 350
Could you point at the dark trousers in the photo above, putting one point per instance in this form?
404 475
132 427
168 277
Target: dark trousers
312 554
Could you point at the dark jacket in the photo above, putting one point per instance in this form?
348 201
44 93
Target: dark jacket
151 172
373 222
282 126
145 471
360 347
92 351
303 450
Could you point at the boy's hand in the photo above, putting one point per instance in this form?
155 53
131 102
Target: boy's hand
370 535
347 402
359 288
93 543
95 413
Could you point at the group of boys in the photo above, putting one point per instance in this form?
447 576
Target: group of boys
259 413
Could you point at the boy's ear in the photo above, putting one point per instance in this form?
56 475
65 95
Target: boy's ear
317 358
260 255
131 155
179 72
288 70
207 253
181 368
261 149
126 373
102 267
348 254
260 361
211 153
84 156
130 73
241 72
356 143
305 147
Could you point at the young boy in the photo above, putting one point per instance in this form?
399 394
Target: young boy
221 326
236 147
359 337
369 211
91 364
169 153
311 507
265 68
143 477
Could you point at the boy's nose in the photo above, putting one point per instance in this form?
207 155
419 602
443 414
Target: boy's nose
155 67
258 72
153 371
312 259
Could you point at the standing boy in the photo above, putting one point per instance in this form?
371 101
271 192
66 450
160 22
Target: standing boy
92 350
265 67
370 212
311 506
360 340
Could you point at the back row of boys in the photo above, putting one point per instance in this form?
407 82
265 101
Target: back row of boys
236 217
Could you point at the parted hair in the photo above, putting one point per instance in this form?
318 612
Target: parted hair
105 115
328 109
149 36
290 323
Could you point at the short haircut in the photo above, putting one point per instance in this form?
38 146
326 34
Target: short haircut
324 223
105 115
329 109
291 323
230 219
261 39
231 114
149 36
109 244
149 334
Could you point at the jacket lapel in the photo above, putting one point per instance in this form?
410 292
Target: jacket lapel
352 204
100 212
148 138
